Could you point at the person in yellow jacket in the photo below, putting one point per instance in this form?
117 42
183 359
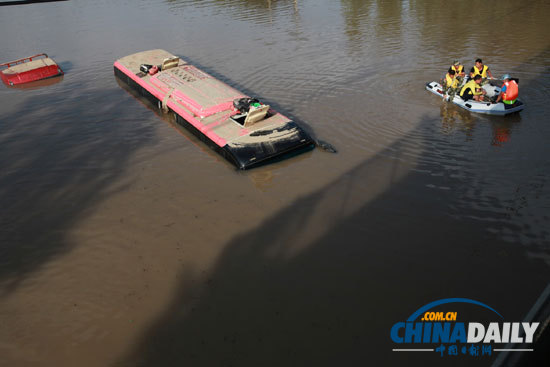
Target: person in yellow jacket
451 80
458 68
483 70
473 90
450 83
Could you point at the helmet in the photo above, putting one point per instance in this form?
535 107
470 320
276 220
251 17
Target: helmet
505 76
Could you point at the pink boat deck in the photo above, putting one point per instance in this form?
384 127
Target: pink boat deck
200 99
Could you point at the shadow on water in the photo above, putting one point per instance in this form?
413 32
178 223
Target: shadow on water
321 282
306 290
60 153
66 66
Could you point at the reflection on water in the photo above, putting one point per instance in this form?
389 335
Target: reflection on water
501 135
257 11
356 19
454 118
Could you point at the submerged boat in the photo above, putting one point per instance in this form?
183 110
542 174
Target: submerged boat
244 130
479 107
29 69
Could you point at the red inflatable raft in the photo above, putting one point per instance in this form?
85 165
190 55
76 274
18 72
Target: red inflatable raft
29 69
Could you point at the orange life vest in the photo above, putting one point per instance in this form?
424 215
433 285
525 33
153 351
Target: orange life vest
511 91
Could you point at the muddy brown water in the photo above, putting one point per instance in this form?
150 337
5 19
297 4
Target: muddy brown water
124 241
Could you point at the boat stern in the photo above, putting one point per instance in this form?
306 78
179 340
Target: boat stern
266 145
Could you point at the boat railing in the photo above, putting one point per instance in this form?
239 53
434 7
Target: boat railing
23 60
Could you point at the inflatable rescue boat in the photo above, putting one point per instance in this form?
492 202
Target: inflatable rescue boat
479 107
243 130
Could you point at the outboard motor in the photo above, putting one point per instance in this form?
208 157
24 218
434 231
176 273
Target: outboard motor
243 104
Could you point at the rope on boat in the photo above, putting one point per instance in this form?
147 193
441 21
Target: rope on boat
164 105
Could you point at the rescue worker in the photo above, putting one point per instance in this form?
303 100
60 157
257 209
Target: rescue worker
450 83
509 90
483 70
458 68
471 74
473 90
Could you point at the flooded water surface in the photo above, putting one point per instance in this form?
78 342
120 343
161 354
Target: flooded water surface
125 241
